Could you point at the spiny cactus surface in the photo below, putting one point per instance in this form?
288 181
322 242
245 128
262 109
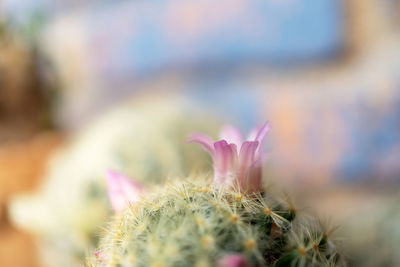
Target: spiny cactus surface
231 221
198 224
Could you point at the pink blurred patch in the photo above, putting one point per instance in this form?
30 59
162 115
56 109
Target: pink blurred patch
122 191
234 260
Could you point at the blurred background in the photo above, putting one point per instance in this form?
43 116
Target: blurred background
87 85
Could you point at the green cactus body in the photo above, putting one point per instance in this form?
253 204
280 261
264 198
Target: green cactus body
195 224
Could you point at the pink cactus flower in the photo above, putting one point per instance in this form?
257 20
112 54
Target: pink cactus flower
235 167
122 191
233 260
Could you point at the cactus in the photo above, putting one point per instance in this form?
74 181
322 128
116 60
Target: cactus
141 139
375 233
231 220
195 223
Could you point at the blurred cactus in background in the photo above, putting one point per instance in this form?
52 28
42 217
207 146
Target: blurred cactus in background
142 139
375 234
233 221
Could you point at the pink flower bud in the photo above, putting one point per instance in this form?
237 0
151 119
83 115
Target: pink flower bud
122 191
233 260
232 166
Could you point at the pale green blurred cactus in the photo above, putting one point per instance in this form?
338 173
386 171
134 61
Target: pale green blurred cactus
197 223
143 139
375 233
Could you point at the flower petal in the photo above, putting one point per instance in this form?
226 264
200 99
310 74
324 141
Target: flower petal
254 177
225 162
232 164
233 157
233 260
220 160
122 191
260 137
231 135
246 159
203 140
247 153
262 132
